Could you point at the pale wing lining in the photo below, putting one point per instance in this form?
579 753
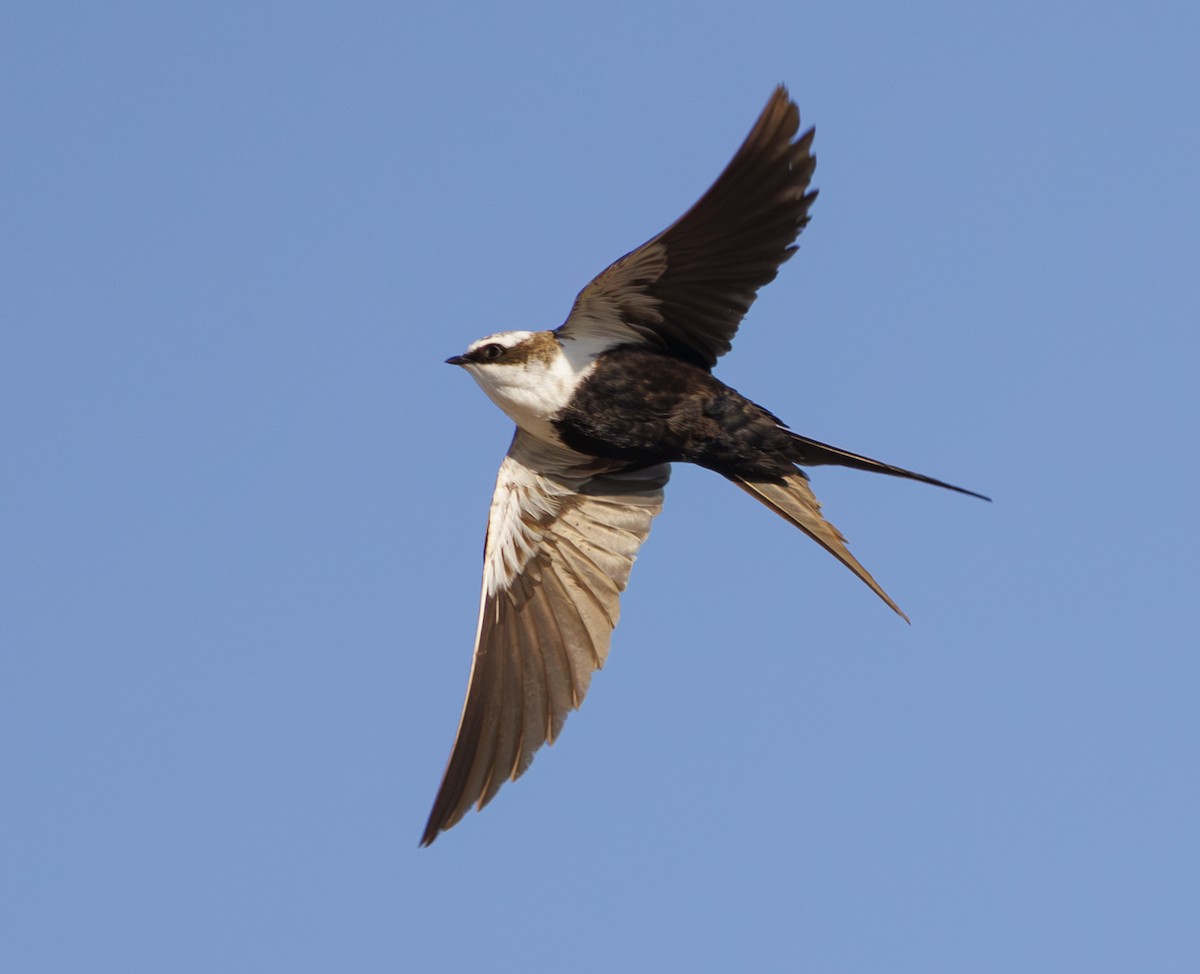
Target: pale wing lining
563 532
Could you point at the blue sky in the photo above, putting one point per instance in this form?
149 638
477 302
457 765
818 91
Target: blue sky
242 499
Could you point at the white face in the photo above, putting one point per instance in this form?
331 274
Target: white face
528 374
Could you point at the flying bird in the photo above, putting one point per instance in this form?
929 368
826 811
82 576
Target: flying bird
603 405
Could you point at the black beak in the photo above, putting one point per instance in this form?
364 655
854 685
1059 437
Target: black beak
456 360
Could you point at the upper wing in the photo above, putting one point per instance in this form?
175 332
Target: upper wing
689 288
563 532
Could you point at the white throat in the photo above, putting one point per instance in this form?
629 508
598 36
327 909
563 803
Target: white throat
535 381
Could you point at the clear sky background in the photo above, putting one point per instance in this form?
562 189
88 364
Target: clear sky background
242 500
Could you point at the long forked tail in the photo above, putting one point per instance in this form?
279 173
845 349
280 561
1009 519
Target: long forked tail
814 453
793 500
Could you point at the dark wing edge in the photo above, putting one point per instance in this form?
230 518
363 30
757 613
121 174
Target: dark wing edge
563 533
688 288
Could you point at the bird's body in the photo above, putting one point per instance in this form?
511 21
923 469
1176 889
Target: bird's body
603 405
642 405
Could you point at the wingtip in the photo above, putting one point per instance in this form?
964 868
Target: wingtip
432 831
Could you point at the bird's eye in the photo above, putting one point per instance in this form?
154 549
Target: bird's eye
491 352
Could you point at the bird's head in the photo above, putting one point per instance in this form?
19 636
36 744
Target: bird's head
526 373
505 350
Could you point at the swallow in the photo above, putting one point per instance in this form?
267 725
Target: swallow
603 405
